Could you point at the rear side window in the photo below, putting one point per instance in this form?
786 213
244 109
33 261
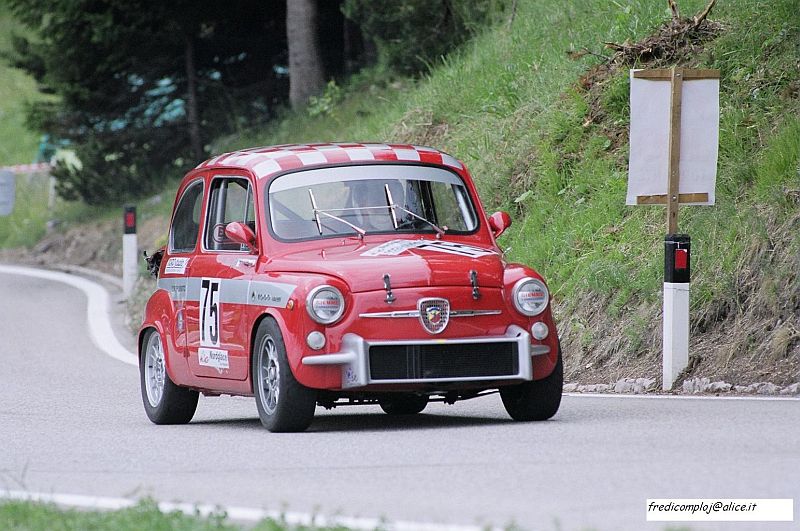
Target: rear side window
231 200
186 223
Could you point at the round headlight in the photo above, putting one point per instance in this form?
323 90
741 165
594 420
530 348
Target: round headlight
530 296
325 304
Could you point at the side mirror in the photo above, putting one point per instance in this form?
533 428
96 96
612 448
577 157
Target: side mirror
499 222
241 233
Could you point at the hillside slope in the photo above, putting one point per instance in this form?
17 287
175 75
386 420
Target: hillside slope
545 136
539 112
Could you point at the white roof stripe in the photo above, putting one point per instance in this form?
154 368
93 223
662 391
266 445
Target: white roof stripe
406 154
265 168
377 146
447 160
360 154
312 157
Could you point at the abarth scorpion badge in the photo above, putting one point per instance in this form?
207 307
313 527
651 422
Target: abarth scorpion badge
434 314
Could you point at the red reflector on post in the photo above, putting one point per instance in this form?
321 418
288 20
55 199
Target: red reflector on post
681 258
130 220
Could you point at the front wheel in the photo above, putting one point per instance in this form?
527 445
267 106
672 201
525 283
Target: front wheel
164 402
284 405
535 400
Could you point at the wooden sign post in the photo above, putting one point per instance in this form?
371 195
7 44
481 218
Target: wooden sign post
673 159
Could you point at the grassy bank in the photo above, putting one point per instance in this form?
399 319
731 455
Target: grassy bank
29 516
543 145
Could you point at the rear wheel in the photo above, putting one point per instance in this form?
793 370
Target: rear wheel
164 402
403 404
535 400
284 405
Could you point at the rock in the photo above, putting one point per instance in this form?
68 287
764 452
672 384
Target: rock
791 389
570 387
604 388
647 383
740 388
624 386
696 385
767 389
52 224
587 388
719 387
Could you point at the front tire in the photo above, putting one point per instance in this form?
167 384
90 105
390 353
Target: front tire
403 404
164 402
284 405
535 400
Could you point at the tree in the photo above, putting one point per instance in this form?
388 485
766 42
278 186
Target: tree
139 80
411 34
306 77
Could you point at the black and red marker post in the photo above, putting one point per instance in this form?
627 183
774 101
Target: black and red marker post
677 269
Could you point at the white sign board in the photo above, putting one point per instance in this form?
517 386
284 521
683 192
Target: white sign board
7 192
649 138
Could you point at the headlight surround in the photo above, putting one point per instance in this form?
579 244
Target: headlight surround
325 304
530 296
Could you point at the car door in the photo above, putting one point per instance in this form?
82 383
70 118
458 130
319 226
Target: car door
184 236
220 322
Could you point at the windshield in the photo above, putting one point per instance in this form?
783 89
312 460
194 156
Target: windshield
369 199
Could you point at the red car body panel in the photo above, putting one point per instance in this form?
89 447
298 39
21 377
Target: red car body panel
275 282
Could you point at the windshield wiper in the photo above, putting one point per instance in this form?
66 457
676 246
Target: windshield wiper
317 211
392 205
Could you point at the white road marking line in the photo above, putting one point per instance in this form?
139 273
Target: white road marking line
238 514
97 310
773 398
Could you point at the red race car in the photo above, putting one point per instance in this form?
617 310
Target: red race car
333 274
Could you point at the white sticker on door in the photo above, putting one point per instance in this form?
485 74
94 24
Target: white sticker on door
212 357
176 266
209 312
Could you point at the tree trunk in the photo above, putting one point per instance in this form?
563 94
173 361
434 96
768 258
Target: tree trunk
191 102
305 66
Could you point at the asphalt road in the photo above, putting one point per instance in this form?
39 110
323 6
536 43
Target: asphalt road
71 421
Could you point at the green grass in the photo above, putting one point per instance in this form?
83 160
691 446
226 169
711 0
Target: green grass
29 516
507 105
18 145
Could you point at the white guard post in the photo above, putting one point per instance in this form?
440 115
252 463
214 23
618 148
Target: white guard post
676 331
130 251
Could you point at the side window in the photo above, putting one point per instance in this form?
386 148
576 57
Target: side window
231 200
186 223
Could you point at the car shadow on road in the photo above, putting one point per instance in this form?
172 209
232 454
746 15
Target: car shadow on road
383 422
368 422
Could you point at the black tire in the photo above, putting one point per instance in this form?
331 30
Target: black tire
284 405
535 400
403 404
164 402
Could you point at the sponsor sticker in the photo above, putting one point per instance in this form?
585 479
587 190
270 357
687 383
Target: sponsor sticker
176 266
212 357
397 247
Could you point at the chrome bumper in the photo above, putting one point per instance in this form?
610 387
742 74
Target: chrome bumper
354 358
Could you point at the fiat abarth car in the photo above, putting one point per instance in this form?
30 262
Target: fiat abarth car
335 274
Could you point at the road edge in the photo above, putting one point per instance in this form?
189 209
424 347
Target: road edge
98 309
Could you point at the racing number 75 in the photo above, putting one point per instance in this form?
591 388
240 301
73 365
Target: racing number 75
209 312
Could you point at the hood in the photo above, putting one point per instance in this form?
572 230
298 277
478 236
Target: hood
410 263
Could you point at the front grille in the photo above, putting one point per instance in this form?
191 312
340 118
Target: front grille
429 361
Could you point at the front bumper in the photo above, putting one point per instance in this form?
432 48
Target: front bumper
355 355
